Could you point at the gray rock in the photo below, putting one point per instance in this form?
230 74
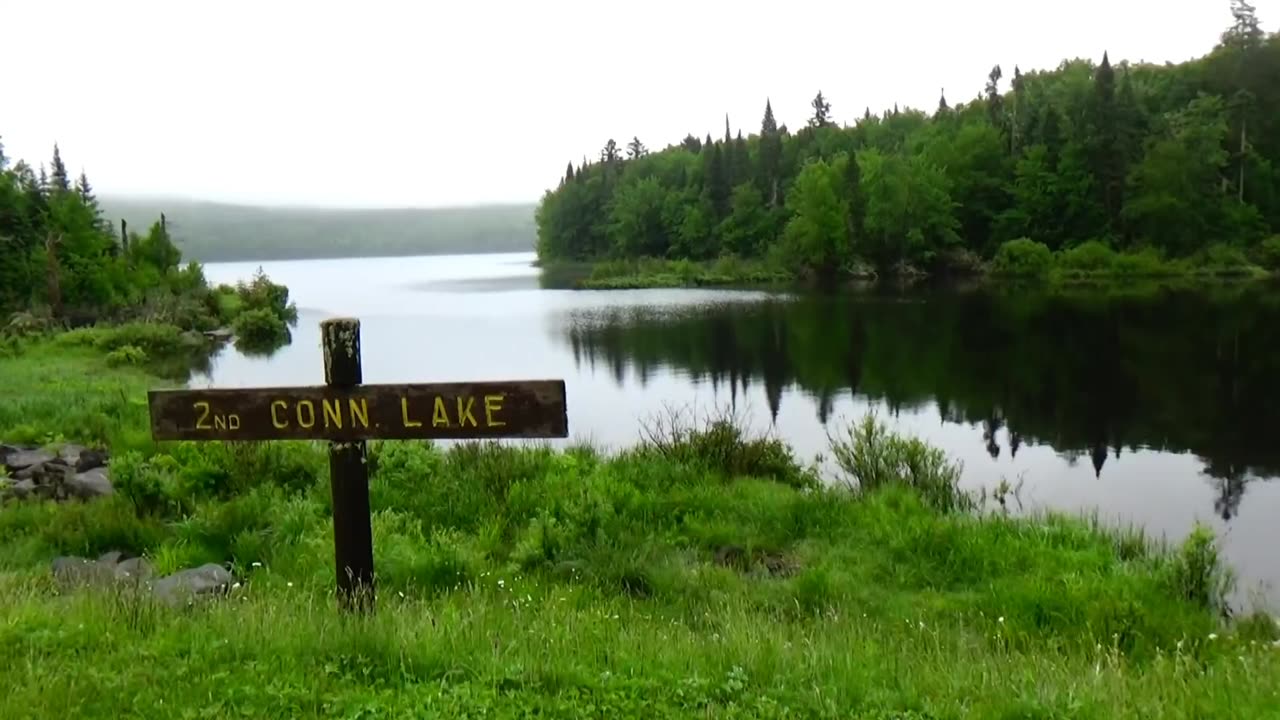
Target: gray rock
23 489
90 484
28 473
133 569
71 572
221 334
90 459
185 585
21 459
112 557
69 454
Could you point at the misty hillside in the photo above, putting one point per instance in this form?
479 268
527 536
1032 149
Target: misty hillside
211 232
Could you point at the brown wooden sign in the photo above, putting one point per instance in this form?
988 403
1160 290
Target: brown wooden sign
347 413
515 409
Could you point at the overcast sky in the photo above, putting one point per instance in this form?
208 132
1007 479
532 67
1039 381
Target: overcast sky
375 103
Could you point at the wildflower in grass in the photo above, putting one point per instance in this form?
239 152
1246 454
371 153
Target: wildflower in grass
1213 636
1000 619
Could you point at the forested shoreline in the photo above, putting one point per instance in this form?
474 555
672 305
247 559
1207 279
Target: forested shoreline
1087 168
64 265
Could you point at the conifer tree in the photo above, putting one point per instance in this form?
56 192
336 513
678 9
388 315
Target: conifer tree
58 177
636 149
821 111
770 155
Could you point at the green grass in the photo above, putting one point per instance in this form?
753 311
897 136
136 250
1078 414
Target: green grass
701 574
661 273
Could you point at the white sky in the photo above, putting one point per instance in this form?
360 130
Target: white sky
372 103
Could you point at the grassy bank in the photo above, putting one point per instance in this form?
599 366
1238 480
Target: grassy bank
700 574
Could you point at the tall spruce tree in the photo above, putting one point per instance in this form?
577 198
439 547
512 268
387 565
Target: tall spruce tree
821 111
59 181
770 155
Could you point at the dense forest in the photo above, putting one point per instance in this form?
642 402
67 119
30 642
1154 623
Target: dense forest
1166 161
211 232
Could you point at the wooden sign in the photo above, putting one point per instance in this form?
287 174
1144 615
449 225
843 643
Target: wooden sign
347 413
516 409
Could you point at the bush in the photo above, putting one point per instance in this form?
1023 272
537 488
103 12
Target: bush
1268 253
259 328
127 355
722 446
1195 573
262 294
1142 263
1023 258
1223 258
1090 257
872 457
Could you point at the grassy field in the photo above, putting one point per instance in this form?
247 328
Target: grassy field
703 575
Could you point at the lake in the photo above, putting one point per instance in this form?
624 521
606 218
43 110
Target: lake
1156 409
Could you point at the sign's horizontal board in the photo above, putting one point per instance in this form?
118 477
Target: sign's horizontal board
513 409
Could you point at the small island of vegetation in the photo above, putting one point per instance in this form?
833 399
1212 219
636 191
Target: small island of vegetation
1085 171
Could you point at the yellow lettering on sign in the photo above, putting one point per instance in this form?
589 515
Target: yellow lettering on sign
492 404
359 412
404 414
219 422
332 412
280 421
439 416
233 421
307 419
464 413
202 422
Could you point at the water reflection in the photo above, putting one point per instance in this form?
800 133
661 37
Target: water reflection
1087 375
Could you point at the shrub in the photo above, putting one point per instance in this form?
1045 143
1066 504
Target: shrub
1220 257
127 355
1268 253
1195 572
259 328
1090 257
262 294
1142 263
1023 258
872 457
721 445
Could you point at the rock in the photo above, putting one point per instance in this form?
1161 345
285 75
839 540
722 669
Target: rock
22 489
28 473
90 459
112 557
71 572
90 484
185 585
221 334
69 454
133 569
21 458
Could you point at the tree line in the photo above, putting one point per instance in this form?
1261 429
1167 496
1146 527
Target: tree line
57 250
1173 159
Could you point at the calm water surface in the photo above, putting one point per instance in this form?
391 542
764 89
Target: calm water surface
1152 409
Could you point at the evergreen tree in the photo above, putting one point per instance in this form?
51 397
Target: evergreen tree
568 173
943 107
1106 155
636 149
728 136
58 177
821 111
4 162
770 155
1246 31
691 143
609 155
85 191
995 103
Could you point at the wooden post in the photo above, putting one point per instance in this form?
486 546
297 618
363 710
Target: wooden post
349 475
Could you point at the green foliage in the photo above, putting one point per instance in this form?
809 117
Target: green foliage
522 579
872 457
1023 258
1269 253
127 355
259 327
1158 160
1196 572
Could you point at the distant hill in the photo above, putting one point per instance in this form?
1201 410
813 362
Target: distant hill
211 232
